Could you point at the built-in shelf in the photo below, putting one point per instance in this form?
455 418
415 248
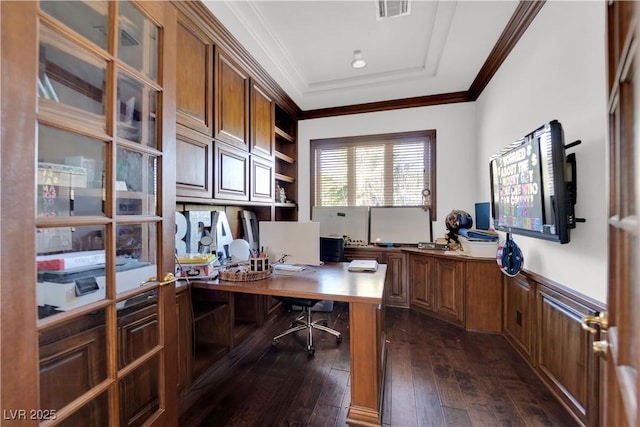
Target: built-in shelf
284 157
285 205
284 178
203 309
285 167
281 133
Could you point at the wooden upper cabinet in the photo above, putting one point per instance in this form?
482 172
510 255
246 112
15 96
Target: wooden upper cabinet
194 78
262 122
261 183
231 166
231 101
194 164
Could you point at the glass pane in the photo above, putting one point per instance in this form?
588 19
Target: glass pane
87 18
140 394
138 40
332 172
70 262
73 359
137 107
408 174
137 327
94 413
70 75
137 183
70 174
136 255
370 175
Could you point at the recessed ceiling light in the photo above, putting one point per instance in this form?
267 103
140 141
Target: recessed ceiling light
358 60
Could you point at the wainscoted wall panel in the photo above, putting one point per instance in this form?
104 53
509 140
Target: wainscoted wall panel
542 320
564 348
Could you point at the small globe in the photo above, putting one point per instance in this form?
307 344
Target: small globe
458 219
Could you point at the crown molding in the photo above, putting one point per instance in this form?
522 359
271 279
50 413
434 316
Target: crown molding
522 17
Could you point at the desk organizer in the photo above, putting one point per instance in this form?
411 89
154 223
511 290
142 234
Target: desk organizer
259 264
244 275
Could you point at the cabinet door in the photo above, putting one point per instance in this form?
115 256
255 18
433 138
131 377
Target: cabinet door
231 101
262 122
420 277
231 173
483 296
449 289
194 79
396 294
261 180
194 159
518 314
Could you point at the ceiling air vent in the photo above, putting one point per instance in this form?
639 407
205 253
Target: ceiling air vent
392 8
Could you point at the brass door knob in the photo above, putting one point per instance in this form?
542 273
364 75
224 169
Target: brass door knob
166 280
600 348
591 324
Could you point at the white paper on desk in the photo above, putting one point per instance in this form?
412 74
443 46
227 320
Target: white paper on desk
363 265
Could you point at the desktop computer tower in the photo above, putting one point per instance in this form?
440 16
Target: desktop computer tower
331 249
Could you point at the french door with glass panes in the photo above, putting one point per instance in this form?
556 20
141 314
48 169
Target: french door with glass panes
88 194
620 327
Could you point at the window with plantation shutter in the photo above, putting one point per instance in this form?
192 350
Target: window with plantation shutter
374 170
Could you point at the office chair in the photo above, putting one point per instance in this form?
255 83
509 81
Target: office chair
305 322
331 249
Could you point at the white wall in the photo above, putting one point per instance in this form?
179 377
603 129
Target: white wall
557 71
455 150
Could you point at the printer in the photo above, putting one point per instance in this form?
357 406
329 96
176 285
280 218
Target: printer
74 287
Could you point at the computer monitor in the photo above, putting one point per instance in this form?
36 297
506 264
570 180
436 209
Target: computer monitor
299 241
352 221
403 225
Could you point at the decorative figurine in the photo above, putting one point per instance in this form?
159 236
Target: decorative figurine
280 194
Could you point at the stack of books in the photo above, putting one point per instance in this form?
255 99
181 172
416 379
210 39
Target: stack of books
479 235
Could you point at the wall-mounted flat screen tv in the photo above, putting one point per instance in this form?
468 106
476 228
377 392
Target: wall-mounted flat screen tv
533 186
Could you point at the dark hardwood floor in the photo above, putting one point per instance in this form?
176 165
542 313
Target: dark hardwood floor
437 375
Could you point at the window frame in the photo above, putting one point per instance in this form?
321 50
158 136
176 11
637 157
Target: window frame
428 137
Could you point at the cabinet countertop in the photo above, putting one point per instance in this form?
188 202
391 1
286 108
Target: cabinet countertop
414 250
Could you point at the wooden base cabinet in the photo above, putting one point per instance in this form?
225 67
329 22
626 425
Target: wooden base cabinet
396 292
483 296
437 285
465 291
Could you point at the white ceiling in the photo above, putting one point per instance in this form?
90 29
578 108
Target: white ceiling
307 46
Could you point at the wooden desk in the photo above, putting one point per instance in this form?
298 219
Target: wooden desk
364 293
